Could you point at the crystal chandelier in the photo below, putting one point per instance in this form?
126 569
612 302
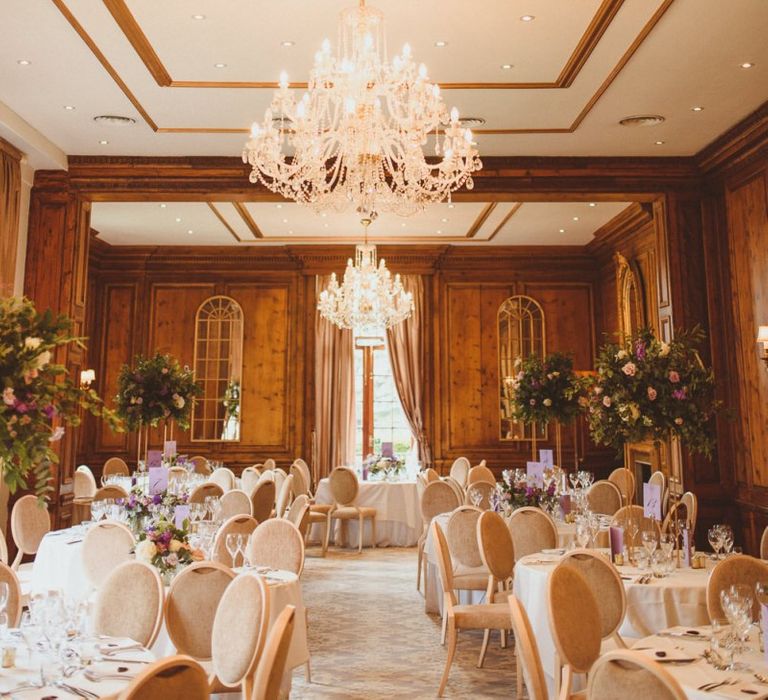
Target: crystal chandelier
356 137
368 300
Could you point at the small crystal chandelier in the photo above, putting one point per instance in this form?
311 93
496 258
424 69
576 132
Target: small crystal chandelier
368 300
357 135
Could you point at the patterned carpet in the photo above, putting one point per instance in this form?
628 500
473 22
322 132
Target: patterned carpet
369 636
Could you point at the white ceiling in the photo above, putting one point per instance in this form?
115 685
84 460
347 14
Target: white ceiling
508 223
666 56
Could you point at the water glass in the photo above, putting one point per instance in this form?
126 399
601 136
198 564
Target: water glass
231 544
649 542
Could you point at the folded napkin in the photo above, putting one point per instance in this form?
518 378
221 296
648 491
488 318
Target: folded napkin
702 633
119 644
662 650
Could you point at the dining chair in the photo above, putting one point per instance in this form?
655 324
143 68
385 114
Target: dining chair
249 478
115 466
279 477
460 471
172 678
691 503
239 634
306 472
457 488
200 465
224 477
111 491
83 489
478 617
3 548
14 603
263 500
763 544
482 488
235 502
284 496
190 606
574 621
431 475
606 584
299 513
657 478
625 673
625 482
636 515
527 657
438 497
176 473
130 603
318 512
30 522
269 464
271 667
737 568
480 473
202 491
604 497
278 544
532 530
344 489
106 545
235 525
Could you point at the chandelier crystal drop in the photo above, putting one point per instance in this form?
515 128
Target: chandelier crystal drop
368 299
357 136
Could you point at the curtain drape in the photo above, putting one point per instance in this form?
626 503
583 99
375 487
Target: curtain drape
10 196
334 395
407 355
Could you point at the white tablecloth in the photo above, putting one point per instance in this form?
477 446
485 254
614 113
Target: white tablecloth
398 517
679 599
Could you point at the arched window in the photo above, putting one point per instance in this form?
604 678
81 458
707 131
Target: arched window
218 369
521 331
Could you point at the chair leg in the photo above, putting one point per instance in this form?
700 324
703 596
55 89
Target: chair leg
327 533
373 532
420 554
444 627
484 648
360 523
452 639
519 673
307 672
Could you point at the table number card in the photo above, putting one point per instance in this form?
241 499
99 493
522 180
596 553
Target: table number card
535 471
154 459
180 514
169 449
547 457
686 546
565 504
386 449
158 480
652 501
616 535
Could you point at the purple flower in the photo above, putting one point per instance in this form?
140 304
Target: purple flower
640 350
166 537
21 407
679 394
157 499
50 411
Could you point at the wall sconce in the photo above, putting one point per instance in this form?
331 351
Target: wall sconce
762 337
87 377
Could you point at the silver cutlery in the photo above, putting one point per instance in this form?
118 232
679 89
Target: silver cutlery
709 687
97 677
80 692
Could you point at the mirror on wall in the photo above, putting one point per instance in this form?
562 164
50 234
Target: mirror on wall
218 370
631 297
521 331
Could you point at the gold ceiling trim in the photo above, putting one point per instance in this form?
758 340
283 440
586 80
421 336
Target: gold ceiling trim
515 208
157 71
224 221
245 215
480 220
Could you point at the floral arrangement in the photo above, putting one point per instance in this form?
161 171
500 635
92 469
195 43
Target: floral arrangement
139 505
166 547
389 466
156 389
647 389
516 490
545 390
38 395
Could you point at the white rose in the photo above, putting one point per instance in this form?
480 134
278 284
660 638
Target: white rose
547 402
664 350
42 359
32 343
179 402
174 546
145 551
621 354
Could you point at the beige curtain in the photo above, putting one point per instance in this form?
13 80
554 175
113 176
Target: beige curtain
406 353
334 395
10 196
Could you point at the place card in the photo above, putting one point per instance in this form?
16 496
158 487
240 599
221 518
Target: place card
616 536
154 459
686 546
169 449
180 514
158 480
547 457
387 449
535 471
652 501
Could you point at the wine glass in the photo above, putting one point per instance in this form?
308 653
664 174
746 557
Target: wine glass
666 544
631 527
230 541
649 542
737 603
574 479
475 497
583 532
242 542
726 533
715 540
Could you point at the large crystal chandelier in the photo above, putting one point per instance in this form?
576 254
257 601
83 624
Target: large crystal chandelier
356 137
368 300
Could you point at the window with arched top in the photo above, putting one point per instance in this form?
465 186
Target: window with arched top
521 330
218 370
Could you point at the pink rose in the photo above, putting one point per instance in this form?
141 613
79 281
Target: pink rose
651 393
606 401
532 402
678 421
629 369
674 377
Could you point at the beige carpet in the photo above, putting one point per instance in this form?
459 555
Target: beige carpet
369 636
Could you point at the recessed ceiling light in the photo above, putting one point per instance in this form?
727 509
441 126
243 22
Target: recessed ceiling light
163 206
219 65
323 214
198 16
697 109
24 62
743 65
441 44
402 225
178 219
104 142
506 66
659 143
592 204
562 230
278 206
439 231
291 231
190 231
445 221
69 108
642 120
325 225
575 218
285 221
451 206
287 44
527 18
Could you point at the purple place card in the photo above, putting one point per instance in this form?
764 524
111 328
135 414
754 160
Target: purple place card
387 449
686 546
535 470
616 535
158 480
565 503
180 514
652 501
169 449
547 457
154 459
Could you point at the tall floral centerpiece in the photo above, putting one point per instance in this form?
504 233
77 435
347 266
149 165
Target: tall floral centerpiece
545 391
156 389
38 395
646 389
